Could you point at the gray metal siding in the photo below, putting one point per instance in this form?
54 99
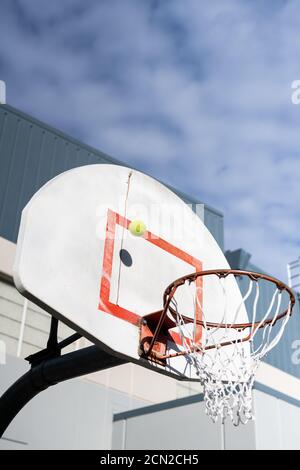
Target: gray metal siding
183 424
31 153
277 423
214 223
184 427
37 325
213 218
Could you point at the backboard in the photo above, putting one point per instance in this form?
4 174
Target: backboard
77 259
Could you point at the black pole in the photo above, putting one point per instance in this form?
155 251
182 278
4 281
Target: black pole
50 372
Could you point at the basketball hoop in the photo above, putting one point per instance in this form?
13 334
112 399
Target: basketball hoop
225 354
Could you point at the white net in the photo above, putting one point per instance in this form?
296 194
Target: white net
226 354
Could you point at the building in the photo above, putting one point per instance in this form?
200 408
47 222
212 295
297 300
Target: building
93 409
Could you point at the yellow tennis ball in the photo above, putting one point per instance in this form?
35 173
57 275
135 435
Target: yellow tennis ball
137 228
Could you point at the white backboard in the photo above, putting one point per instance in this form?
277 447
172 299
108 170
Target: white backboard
78 260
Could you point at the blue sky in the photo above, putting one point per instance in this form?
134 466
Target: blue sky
196 93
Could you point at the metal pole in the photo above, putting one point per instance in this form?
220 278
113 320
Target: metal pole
50 372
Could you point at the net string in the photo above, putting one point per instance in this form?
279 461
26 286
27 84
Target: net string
227 373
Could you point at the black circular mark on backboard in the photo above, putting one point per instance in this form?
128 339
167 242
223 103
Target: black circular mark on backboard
125 257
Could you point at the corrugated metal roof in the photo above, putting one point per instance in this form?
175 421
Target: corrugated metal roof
31 153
